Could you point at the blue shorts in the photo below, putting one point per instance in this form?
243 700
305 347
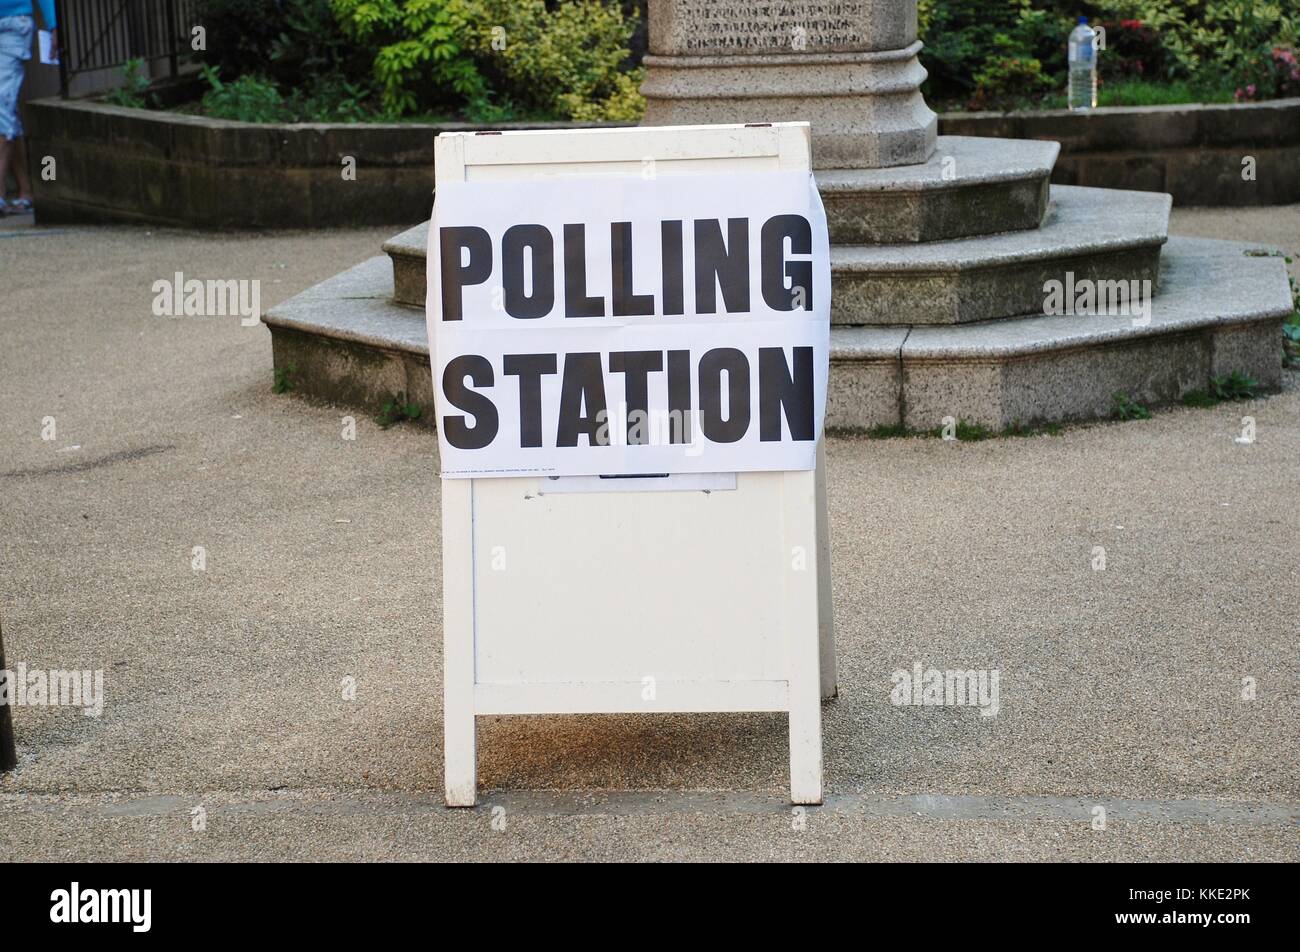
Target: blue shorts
15 51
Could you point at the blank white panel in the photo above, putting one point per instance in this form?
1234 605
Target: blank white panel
678 586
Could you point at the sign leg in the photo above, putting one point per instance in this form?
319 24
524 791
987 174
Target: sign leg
459 741
806 735
461 761
825 605
804 634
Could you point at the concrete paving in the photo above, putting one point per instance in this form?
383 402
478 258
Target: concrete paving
1119 688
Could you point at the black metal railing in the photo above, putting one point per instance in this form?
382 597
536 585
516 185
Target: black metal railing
105 34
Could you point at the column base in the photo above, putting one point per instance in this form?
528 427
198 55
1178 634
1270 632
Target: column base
866 109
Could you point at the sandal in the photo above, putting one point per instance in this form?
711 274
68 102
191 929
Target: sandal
20 206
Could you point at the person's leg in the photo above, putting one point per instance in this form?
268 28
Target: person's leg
18 162
15 50
6 146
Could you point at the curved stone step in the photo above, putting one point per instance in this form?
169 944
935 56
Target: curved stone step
345 342
970 186
1100 234
408 252
1218 310
1096 233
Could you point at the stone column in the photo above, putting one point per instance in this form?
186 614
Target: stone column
849 67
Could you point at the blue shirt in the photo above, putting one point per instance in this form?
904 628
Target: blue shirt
24 8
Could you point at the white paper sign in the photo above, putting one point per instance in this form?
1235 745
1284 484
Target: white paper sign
616 326
44 43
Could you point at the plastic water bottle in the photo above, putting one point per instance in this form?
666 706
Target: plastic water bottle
1082 91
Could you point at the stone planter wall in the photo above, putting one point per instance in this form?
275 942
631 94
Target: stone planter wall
1194 152
115 164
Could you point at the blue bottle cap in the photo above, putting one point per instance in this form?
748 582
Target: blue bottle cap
1083 19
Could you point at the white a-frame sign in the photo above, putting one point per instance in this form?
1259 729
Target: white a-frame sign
629 339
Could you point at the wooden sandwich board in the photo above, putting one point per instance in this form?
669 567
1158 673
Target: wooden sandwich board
561 600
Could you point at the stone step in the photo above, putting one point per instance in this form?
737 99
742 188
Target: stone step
408 252
970 186
345 342
1218 310
1099 234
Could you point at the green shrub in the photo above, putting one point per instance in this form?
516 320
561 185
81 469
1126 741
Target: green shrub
977 53
1234 386
396 410
1230 40
240 34
297 46
978 49
420 49
1123 407
1002 77
565 61
283 379
497 58
1268 75
249 98
1133 51
293 42
133 93
333 99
